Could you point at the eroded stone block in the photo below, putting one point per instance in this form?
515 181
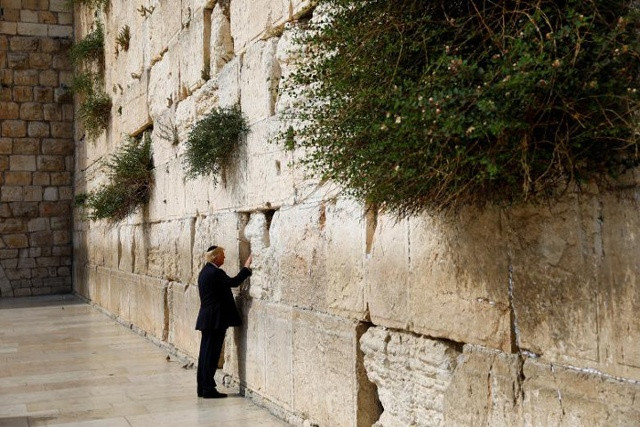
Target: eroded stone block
417 399
259 79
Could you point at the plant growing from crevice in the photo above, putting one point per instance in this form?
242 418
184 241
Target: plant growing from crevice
88 58
84 82
123 38
212 142
130 173
95 112
428 105
90 49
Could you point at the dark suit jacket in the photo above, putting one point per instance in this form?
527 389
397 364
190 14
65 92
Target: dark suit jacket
217 306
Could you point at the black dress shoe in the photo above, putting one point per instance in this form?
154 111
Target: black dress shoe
215 394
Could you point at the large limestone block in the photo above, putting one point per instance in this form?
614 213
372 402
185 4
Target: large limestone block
260 352
263 272
194 52
325 379
270 179
121 64
251 19
245 349
169 248
260 76
131 108
166 144
412 374
229 83
298 251
387 272
619 296
164 26
122 290
221 41
458 285
126 248
344 230
184 304
485 389
164 83
148 305
103 245
554 395
278 330
139 250
91 283
167 199
556 253
103 287
197 193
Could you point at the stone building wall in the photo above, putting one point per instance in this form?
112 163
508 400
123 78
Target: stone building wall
36 148
524 316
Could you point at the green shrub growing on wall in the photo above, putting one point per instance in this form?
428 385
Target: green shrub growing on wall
95 111
212 141
88 81
90 48
416 105
130 173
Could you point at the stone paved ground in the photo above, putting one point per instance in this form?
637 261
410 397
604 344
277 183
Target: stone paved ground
64 363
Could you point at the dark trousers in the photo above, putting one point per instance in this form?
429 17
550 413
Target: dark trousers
210 348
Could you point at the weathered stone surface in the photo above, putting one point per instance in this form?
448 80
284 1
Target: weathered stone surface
221 40
554 395
184 304
148 306
9 110
14 128
22 163
259 80
488 385
324 378
169 250
419 399
229 83
251 19
191 49
164 84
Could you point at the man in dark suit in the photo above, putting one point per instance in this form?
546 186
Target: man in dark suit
217 312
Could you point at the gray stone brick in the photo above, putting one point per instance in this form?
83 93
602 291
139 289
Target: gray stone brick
22 163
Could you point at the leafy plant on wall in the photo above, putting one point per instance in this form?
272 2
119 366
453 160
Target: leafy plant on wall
212 142
417 105
87 56
130 174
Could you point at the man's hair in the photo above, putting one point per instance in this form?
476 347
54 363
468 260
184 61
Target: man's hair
212 253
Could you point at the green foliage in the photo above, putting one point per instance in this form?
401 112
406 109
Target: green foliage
417 105
130 180
95 111
212 141
123 38
83 83
90 48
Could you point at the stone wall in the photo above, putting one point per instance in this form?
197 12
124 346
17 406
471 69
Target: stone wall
523 316
36 148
